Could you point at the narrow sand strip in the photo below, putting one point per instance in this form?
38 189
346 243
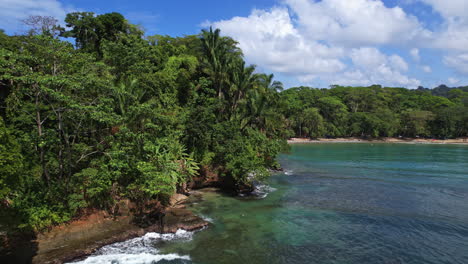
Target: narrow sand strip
379 140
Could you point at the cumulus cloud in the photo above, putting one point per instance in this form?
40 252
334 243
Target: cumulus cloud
270 39
459 62
453 81
13 11
382 75
369 58
332 40
398 63
313 40
373 67
452 36
449 8
356 22
453 33
427 69
415 54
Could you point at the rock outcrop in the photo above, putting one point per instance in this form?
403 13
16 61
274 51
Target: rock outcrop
82 237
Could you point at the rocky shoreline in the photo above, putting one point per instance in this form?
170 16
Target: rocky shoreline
80 238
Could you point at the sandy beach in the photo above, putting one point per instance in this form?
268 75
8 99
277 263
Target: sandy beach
379 140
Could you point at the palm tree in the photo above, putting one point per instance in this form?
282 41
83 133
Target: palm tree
242 80
125 92
219 52
268 83
263 103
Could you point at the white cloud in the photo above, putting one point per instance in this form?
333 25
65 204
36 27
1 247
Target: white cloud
374 67
13 11
370 58
453 32
427 69
452 36
323 41
270 39
356 22
449 8
415 54
453 81
382 75
398 63
458 62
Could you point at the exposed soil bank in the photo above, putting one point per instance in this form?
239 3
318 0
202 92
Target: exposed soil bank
379 140
82 237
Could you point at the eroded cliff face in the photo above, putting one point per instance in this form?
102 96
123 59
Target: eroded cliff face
85 235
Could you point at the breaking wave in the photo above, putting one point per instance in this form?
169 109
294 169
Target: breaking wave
143 258
140 250
262 190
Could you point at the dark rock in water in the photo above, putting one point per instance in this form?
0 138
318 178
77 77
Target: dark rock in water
178 200
277 170
258 191
245 189
178 218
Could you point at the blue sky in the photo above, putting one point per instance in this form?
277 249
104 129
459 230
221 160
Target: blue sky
403 43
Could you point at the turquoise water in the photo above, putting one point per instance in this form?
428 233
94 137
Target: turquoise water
342 203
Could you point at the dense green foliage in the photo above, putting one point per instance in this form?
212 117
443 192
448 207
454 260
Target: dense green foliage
123 116
376 111
120 115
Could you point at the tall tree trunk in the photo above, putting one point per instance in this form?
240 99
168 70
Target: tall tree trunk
45 172
60 130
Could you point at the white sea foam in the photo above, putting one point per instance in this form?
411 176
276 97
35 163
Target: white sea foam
139 250
288 172
262 190
143 258
206 218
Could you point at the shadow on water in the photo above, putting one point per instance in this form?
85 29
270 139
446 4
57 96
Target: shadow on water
16 247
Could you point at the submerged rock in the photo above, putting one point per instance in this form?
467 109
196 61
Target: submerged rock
178 218
177 200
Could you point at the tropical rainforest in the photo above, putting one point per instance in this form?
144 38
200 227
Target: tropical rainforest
97 111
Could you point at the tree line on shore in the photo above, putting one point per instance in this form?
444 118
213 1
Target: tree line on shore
99 112
376 111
